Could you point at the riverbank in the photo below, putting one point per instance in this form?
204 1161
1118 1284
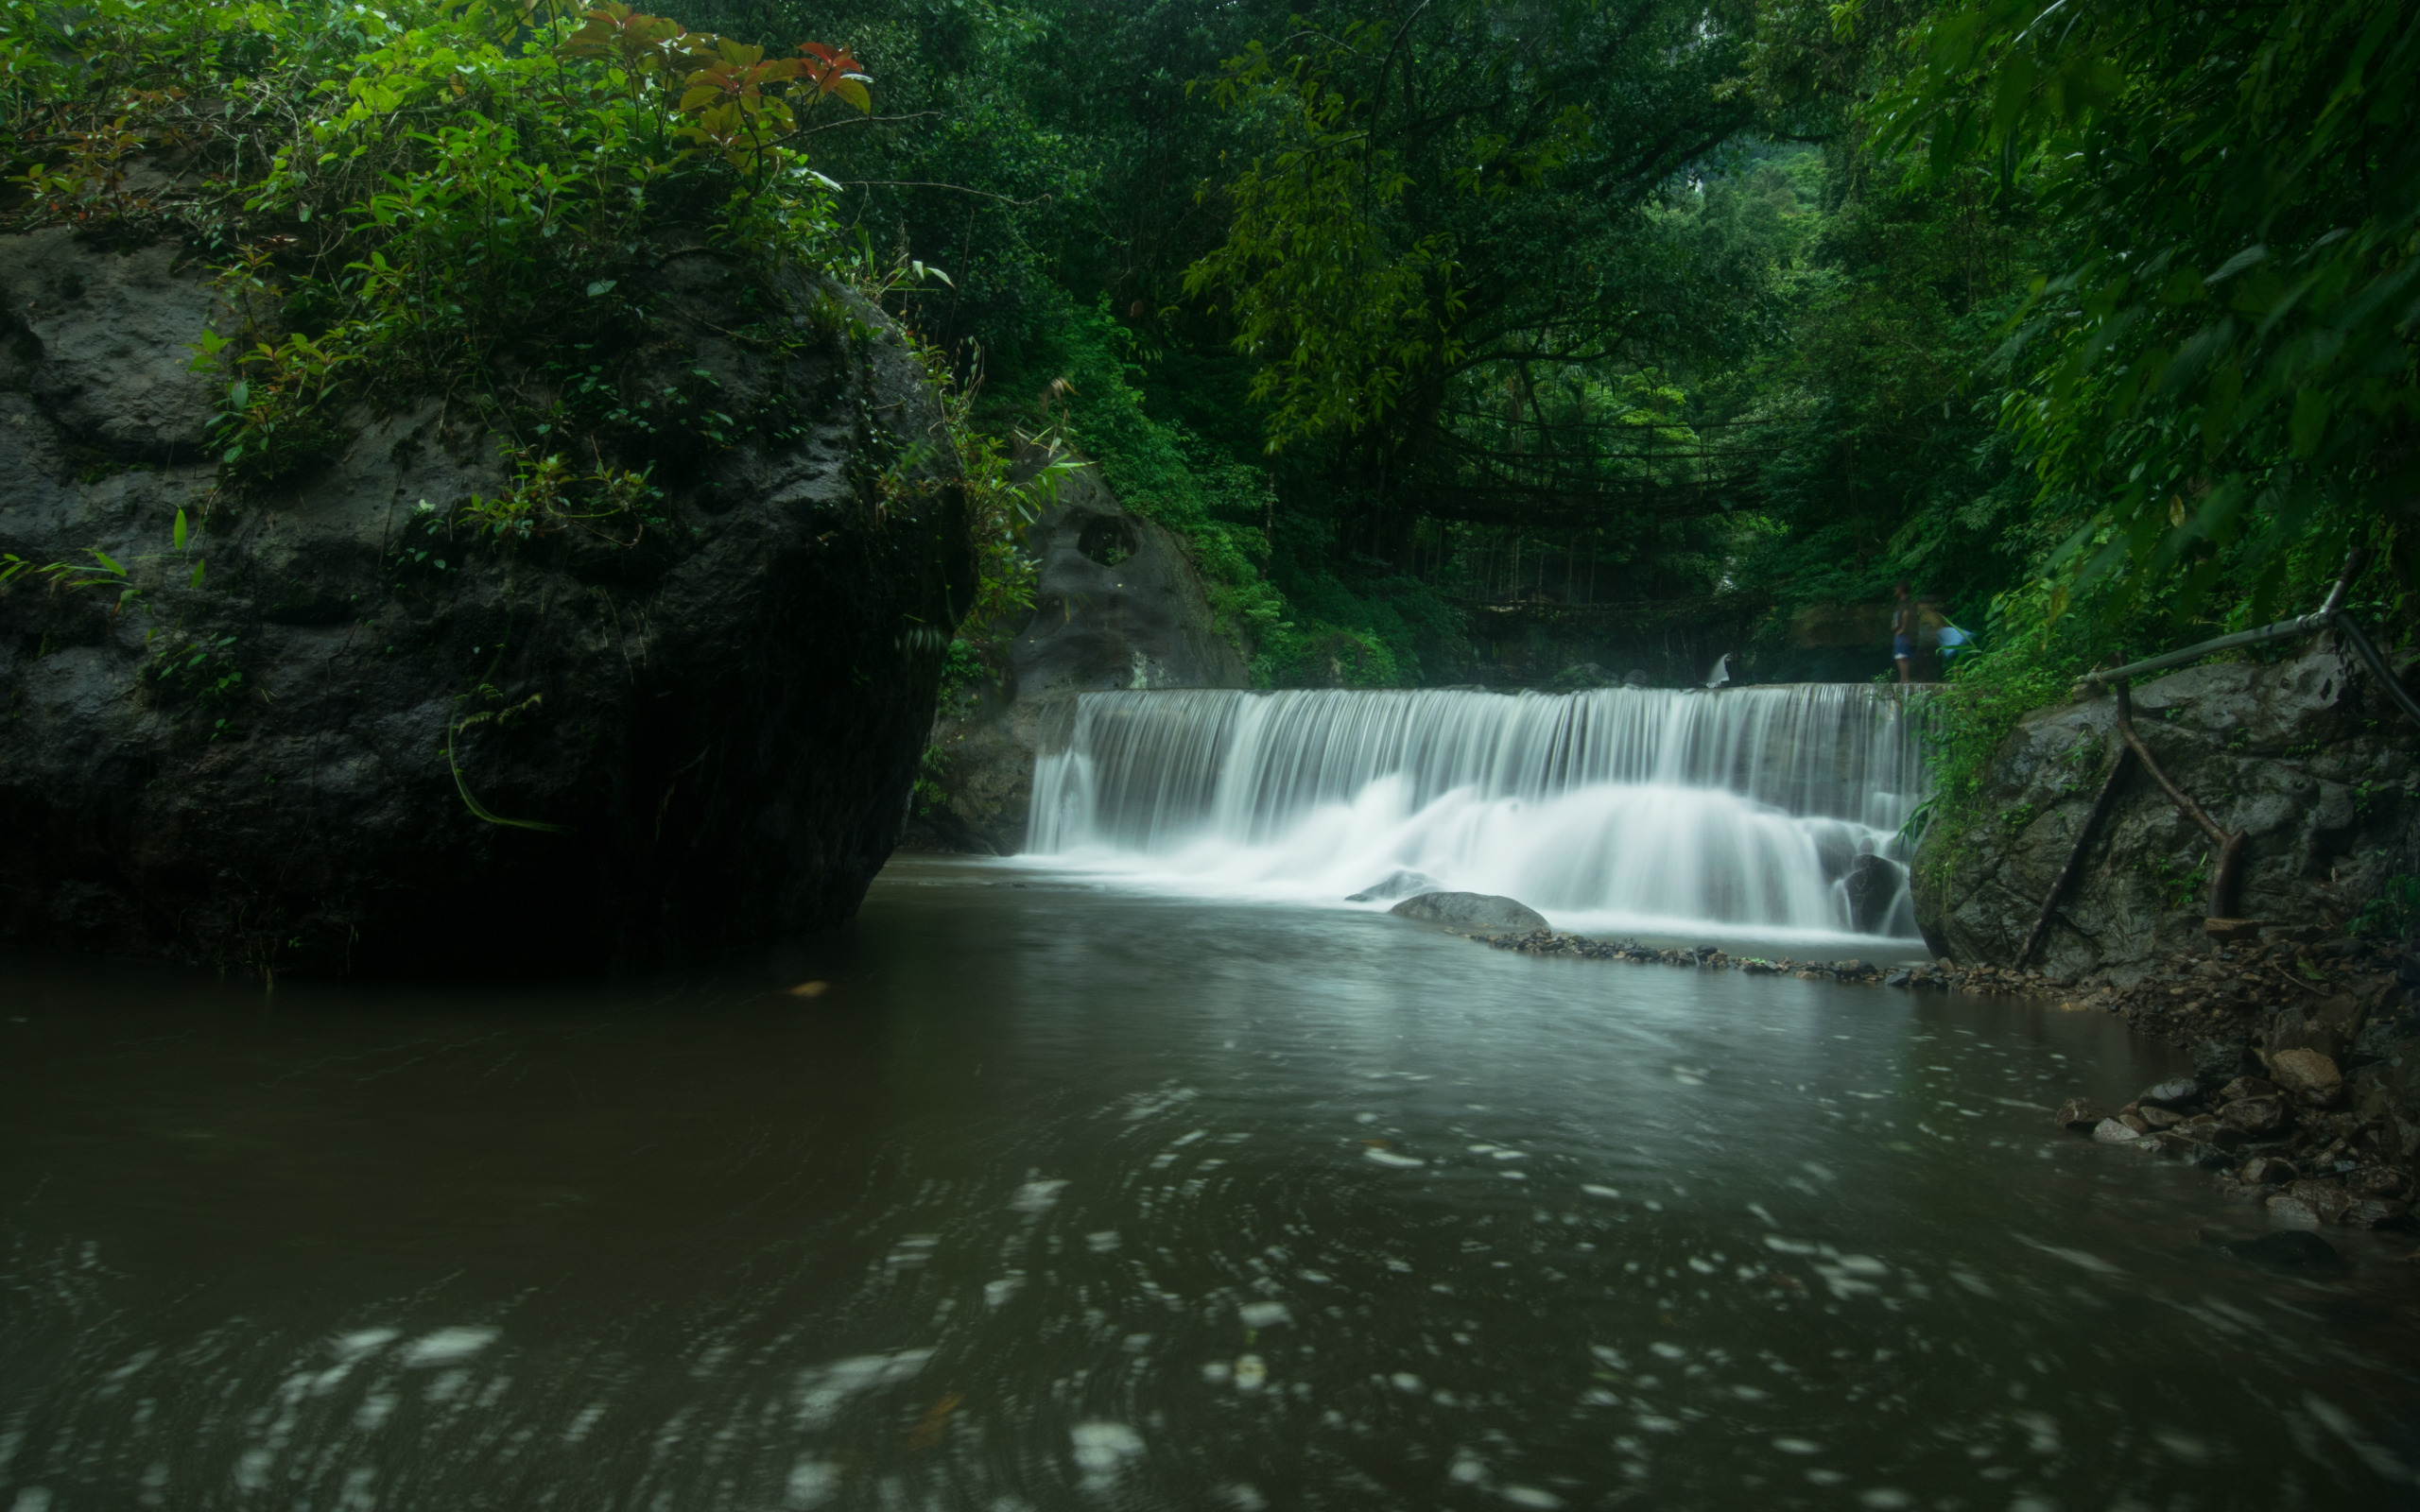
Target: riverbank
2302 1089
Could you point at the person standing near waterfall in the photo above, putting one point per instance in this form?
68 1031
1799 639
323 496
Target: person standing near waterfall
1903 633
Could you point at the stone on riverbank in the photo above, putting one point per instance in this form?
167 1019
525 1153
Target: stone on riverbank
2308 1076
1470 913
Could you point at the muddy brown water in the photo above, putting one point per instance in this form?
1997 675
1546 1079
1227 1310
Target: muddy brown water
1060 1197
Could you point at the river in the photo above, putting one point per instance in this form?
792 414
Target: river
1063 1194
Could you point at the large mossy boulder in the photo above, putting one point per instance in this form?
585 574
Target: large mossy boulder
374 740
1117 605
2306 756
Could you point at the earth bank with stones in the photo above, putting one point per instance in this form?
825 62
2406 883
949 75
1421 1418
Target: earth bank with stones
2298 1008
370 742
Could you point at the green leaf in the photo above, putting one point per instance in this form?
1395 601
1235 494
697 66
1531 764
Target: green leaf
2311 420
198 563
180 530
601 288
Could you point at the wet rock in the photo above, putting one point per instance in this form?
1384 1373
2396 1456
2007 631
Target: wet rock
1401 884
2078 1113
2178 1093
2269 1171
2373 1212
2286 1251
2254 1115
2326 1198
2110 1131
2160 1118
1873 886
1470 913
1899 978
2247 1087
2286 1211
2378 1181
704 739
2306 1075
2208 1156
2219 1061
2135 1120
2172 1144
2293 1029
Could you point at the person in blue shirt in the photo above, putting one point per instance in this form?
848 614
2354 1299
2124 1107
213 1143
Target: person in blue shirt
1903 632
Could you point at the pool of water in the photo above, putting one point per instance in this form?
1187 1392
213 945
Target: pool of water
1060 1197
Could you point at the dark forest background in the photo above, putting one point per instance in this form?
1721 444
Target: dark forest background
1486 342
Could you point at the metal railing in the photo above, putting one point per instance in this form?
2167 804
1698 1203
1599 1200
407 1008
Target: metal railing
2331 613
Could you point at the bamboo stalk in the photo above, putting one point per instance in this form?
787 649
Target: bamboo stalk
2075 854
2228 848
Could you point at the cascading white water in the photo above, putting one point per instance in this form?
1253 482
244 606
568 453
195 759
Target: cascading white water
1621 809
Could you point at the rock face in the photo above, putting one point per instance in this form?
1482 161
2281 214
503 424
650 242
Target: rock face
1470 913
1116 604
1872 887
366 744
2308 758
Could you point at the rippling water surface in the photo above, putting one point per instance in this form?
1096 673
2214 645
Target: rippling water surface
1063 1199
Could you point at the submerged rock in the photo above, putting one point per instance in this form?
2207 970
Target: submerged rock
2289 1250
372 740
1470 913
1401 884
2079 1113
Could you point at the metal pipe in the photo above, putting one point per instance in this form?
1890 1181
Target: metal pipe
2376 663
2316 620
2278 631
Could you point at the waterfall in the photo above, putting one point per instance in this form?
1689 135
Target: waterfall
1628 808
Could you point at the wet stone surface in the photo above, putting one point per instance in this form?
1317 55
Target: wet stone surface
1051 1197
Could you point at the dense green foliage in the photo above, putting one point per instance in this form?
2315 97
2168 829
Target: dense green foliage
1459 340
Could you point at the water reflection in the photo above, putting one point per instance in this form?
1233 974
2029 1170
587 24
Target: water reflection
1060 1198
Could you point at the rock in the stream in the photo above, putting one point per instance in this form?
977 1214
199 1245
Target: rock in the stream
2287 1210
2159 1117
2078 1113
2269 1171
2291 1250
2178 1093
2373 1212
2247 1087
2326 1198
1401 884
1873 886
2306 1075
1470 913
372 741
2113 1131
